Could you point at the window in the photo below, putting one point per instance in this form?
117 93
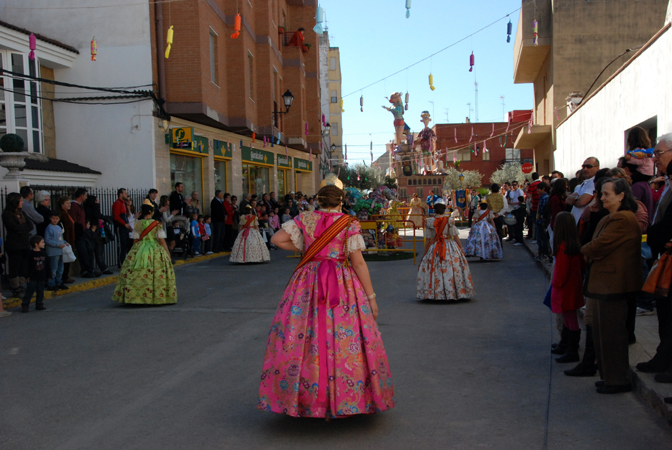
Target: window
334 129
255 179
486 156
250 74
221 175
464 154
334 96
213 56
512 154
20 107
332 63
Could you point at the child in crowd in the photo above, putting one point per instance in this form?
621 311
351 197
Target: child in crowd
203 237
543 219
519 213
567 284
286 217
53 238
195 235
38 274
208 234
273 220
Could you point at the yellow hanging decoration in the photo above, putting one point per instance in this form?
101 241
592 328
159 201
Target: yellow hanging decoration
431 82
169 39
342 110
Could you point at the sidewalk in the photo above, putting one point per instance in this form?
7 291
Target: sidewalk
646 330
85 284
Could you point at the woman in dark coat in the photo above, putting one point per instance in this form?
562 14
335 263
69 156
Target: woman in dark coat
16 242
614 257
68 232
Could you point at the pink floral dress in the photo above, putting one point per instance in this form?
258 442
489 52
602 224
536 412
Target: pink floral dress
324 355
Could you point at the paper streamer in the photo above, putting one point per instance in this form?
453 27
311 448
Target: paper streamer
455 130
493 130
32 42
472 134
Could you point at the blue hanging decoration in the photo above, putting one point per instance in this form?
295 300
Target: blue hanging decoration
278 141
408 8
319 18
509 28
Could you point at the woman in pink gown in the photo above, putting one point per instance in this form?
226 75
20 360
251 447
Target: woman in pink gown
324 355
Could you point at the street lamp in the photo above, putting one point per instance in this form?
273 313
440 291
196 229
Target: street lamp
288 98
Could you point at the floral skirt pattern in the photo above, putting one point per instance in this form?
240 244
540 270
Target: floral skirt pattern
359 379
151 285
483 241
450 279
249 250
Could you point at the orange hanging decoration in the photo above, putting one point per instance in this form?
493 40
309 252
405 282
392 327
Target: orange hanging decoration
94 49
236 27
254 137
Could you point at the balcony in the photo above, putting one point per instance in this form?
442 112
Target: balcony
528 59
531 137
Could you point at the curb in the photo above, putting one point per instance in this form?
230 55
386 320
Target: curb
14 302
644 386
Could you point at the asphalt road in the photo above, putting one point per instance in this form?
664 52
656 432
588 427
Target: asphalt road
90 374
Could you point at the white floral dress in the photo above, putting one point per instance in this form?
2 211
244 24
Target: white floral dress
444 272
249 246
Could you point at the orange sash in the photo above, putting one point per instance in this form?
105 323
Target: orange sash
439 225
485 214
249 221
321 242
147 230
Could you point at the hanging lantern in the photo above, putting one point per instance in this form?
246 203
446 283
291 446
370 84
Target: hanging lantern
94 49
279 136
535 32
32 42
254 136
319 18
471 62
408 8
406 101
169 40
264 141
324 123
241 144
306 128
361 103
431 82
236 27
342 110
509 27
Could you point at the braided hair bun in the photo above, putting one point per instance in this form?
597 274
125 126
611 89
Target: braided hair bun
330 196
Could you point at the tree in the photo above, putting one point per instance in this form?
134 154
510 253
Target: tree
470 178
348 174
509 172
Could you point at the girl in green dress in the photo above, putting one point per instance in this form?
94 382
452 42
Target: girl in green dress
147 276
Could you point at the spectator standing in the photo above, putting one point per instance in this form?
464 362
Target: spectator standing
543 219
195 203
68 232
17 245
431 199
33 216
55 242
43 199
496 203
207 232
274 201
218 214
612 254
150 200
38 274
96 234
177 200
246 201
584 192
533 197
121 225
229 233
658 238
79 217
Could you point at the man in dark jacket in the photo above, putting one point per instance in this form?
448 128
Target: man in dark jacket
218 214
43 199
79 217
177 202
659 239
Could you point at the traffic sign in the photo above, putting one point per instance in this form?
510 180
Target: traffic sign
527 168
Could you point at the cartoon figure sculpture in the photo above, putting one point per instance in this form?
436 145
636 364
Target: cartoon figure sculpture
426 140
397 111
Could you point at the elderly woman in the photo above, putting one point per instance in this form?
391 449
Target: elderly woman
18 227
612 254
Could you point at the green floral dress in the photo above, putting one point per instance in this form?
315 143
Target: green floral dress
147 276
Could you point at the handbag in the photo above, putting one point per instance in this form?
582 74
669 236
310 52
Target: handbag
658 281
68 254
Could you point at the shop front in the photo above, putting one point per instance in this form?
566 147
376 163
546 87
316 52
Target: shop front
284 169
257 166
186 159
303 170
222 156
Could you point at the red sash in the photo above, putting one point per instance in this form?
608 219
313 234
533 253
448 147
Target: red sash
321 242
246 233
485 214
149 228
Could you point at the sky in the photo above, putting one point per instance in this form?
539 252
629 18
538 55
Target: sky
376 40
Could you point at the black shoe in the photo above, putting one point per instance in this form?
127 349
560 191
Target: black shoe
561 347
650 367
24 309
663 377
582 370
107 272
614 389
573 337
40 308
568 357
63 287
599 383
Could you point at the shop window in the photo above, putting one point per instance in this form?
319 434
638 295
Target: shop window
221 175
255 179
188 170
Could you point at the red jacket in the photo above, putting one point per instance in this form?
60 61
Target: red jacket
119 208
229 213
532 190
567 286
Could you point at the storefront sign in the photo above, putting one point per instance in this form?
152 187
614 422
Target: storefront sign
182 138
285 161
302 164
221 148
201 144
254 156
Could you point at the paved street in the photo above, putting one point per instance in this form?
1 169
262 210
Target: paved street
88 374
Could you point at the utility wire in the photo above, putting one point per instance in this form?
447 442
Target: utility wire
93 7
83 100
607 66
79 86
433 54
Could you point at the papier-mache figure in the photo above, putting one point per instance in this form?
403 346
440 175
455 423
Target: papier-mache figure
397 111
426 141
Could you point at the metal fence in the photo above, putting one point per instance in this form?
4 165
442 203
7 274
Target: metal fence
106 197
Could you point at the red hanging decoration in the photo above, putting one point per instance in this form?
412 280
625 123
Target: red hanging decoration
472 134
493 130
455 130
254 136
94 48
306 128
32 41
236 27
471 62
